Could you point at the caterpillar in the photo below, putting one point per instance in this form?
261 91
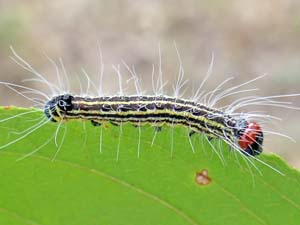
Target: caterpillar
158 111
242 131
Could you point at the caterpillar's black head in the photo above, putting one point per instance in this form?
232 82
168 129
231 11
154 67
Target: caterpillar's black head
56 108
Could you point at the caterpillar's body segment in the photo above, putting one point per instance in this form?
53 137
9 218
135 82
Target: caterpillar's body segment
158 111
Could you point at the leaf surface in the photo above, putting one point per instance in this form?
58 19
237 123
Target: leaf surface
88 181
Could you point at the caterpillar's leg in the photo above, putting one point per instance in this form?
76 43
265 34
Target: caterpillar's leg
115 124
136 125
158 129
210 138
95 123
192 133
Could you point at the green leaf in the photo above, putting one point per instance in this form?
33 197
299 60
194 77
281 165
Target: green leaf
83 186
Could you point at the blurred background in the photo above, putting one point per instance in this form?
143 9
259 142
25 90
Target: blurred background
247 37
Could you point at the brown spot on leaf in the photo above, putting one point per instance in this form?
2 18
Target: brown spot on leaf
202 178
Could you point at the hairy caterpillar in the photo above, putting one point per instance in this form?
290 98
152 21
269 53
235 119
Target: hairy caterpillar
158 111
242 131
